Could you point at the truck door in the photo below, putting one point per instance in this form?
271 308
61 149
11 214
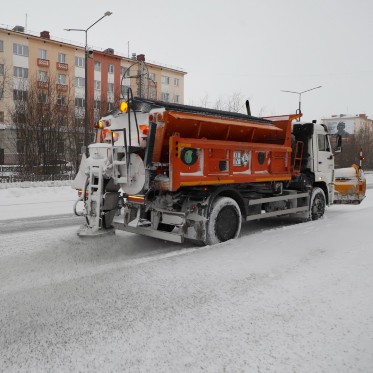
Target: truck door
325 161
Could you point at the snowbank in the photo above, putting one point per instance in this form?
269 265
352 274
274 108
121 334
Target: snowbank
36 184
36 200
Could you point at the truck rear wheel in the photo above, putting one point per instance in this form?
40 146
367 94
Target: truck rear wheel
224 222
318 203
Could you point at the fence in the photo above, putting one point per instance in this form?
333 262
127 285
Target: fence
22 178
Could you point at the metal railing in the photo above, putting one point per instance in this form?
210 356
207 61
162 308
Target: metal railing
33 178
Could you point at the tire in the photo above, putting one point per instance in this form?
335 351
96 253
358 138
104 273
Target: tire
224 221
318 203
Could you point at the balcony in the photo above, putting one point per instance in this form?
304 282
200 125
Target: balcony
42 63
62 66
61 87
42 85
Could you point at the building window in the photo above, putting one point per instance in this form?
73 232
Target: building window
1 69
79 62
61 79
97 66
79 122
124 71
176 99
1 46
176 82
153 94
43 77
97 104
97 85
19 95
20 49
42 54
1 116
165 79
61 100
20 72
79 82
110 106
1 93
110 68
124 90
61 57
165 96
43 98
79 102
110 87
152 77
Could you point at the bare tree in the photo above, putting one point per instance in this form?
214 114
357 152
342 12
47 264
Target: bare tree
4 79
204 100
236 102
219 104
362 139
44 120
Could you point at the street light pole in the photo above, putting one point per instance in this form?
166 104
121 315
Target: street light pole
85 144
299 111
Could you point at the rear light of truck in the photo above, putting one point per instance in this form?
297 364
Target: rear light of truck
156 117
115 136
144 129
80 192
102 124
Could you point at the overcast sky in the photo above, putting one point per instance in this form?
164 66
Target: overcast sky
253 47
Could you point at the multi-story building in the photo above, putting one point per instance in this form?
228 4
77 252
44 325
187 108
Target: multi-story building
39 63
347 125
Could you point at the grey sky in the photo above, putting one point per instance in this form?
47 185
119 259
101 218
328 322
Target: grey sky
254 47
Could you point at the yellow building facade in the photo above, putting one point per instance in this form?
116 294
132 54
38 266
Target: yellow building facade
29 60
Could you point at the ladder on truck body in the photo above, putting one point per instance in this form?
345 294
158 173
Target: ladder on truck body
123 161
298 157
95 195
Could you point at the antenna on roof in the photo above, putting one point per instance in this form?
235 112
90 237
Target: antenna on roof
26 23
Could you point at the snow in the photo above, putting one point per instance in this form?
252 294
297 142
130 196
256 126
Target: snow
26 200
283 297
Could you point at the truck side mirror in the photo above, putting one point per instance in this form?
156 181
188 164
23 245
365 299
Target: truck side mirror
338 143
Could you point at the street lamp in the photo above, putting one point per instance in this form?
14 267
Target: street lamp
299 111
86 77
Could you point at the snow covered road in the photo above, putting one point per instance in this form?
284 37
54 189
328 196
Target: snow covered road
282 298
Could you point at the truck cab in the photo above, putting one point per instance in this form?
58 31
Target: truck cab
316 154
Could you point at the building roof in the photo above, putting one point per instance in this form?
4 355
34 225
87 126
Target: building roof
45 35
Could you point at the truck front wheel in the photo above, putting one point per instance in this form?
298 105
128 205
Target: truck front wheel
317 207
224 221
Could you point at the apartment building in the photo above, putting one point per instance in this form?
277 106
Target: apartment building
28 60
346 124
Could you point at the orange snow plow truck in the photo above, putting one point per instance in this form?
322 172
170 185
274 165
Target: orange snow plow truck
177 172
